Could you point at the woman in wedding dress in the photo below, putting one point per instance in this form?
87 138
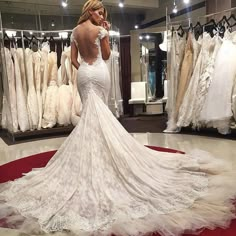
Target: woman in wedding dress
102 181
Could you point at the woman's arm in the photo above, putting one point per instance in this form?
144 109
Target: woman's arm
105 48
105 45
74 55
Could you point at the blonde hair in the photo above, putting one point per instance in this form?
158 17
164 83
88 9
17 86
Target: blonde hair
91 5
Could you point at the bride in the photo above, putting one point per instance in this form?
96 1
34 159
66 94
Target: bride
102 181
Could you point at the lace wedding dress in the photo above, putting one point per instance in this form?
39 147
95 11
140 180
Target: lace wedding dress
102 181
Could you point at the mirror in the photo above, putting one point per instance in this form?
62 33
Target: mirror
153 64
149 60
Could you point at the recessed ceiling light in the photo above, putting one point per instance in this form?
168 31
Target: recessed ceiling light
175 10
136 26
64 3
121 3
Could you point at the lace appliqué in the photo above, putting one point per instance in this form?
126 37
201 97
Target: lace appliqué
72 39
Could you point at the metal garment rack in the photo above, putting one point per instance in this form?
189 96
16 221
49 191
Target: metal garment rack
169 22
36 133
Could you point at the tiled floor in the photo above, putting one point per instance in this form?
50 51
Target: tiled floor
221 148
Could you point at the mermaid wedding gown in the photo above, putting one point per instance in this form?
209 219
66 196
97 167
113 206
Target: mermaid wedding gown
102 181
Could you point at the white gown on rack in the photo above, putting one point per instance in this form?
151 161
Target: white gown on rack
188 105
50 105
13 124
103 181
37 81
32 101
65 99
20 56
22 111
220 91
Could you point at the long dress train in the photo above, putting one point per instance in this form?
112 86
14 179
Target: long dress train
102 181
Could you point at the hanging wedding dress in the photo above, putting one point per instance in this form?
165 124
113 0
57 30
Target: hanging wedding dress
72 74
177 54
13 125
205 81
220 91
44 65
187 107
37 81
32 101
77 103
103 181
64 102
22 112
50 106
20 56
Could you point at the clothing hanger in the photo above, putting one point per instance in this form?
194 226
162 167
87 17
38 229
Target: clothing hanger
223 21
7 41
190 28
52 44
232 16
198 30
34 42
44 39
182 32
33 38
27 41
6 37
222 25
213 24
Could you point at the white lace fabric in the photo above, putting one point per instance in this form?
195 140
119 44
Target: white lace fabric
102 181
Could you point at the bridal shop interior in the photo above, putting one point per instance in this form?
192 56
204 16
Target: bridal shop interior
173 79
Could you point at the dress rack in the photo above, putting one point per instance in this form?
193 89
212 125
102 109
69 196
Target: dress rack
171 24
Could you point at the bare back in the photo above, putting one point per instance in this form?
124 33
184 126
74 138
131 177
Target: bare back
86 35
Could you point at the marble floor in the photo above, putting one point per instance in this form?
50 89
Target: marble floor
219 147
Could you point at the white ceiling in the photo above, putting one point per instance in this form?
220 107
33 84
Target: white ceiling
53 7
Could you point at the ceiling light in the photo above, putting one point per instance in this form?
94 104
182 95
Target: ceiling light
31 32
64 3
140 37
136 26
186 1
53 23
43 33
121 3
147 37
175 9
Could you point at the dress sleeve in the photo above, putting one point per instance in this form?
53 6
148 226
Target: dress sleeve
72 39
102 33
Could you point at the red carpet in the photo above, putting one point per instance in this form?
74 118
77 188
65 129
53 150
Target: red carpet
15 169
